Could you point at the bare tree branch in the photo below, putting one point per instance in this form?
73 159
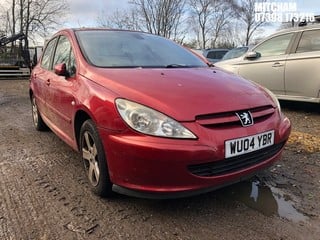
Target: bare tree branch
36 17
210 19
246 12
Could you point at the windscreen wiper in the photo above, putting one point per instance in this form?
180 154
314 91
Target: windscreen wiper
176 65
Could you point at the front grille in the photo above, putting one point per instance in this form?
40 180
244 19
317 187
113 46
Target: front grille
235 163
230 119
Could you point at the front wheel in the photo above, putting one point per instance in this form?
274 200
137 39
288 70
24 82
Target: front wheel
94 160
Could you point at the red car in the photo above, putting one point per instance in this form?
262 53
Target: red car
149 117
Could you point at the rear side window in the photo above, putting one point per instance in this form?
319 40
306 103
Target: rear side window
47 54
274 46
309 42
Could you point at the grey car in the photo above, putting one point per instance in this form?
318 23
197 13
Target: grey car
287 63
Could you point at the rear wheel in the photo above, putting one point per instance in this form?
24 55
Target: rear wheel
94 160
38 122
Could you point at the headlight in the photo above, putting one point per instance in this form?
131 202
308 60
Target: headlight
151 122
274 98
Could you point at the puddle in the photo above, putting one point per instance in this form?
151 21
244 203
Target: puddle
267 200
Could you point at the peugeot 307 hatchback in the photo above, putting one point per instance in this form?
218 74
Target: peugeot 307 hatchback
150 118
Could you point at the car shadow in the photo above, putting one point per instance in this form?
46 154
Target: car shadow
300 106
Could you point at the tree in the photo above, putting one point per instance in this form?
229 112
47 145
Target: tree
201 11
34 17
222 17
209 19
119 20
230 37
245 10
160 17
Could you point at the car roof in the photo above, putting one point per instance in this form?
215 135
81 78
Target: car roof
98 29
297 29
102 29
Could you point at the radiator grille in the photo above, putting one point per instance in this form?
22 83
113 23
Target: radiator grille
235 163
230 119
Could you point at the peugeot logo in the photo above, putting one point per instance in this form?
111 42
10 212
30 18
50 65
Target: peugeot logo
245 118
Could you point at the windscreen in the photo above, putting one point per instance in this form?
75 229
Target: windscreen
235 52
115 49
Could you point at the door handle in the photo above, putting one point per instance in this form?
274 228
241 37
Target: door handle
48 82
277 64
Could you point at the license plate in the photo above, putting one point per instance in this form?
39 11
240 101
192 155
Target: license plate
239 146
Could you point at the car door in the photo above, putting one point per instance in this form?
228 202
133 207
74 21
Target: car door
302 71
42 75
268 67
60 100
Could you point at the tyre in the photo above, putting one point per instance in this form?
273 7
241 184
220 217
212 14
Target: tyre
38 122
94 160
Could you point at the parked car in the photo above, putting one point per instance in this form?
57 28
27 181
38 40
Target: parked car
150 118
286 63
214 55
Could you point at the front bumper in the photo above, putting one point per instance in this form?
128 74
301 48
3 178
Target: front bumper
148 166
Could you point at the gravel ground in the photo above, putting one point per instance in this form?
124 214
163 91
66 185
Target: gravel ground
44 193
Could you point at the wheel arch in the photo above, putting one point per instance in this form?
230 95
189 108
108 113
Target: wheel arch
80 117
30 93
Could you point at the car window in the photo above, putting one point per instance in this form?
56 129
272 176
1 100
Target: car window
216 54
133 49
46 57
274 46
309 42
235 52
71 66
64 54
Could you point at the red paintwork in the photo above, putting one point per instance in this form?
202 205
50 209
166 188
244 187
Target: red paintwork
147 163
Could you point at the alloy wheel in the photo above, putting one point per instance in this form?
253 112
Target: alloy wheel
90 157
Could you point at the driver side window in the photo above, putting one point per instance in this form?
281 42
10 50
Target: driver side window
274 46
64 54
47 55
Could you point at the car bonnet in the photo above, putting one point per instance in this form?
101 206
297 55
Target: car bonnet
183 93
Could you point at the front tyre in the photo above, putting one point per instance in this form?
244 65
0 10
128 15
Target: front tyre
94 160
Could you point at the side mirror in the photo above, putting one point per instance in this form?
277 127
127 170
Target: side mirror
61 69
252 55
